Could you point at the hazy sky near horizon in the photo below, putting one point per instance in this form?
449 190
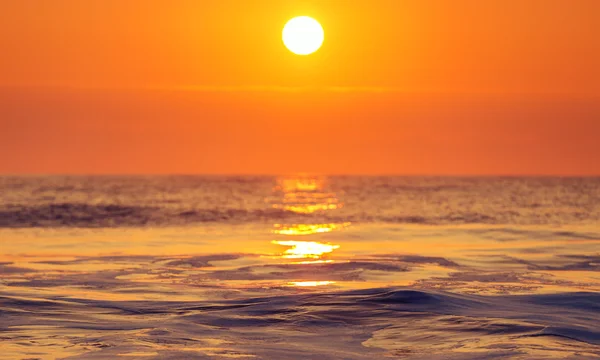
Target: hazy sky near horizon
399 87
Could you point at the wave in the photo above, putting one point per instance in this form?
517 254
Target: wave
360 324
113 215
168 213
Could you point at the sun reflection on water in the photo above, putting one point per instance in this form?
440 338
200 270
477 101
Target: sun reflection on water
304 262
307 229
301 196
304 195
300 183
305 249
307 208
310 283
311 197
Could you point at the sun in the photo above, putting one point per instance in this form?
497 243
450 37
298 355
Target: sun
303 35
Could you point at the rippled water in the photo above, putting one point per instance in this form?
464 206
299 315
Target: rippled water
191 200
299 267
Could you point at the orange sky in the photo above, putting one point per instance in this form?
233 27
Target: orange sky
399 87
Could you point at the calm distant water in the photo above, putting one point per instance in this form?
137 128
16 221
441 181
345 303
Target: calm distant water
190 200
299 267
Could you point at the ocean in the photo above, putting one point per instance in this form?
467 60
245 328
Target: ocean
299 267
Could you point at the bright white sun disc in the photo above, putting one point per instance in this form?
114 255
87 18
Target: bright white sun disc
303 35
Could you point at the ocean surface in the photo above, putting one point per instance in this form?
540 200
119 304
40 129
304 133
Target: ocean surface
299 267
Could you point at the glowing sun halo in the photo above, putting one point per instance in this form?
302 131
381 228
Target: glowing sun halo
303 35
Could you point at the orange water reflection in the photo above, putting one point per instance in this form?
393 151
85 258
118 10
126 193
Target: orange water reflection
307 229
308 196
305 249
304 195
310 283
313 262
300 183
307 208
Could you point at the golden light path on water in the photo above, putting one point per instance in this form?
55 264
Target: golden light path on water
305 249
308 209
306 195
308 229
300 183
310 283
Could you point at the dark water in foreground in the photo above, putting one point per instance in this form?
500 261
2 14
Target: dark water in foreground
299 267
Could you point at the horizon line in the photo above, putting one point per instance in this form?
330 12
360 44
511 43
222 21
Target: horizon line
506 175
